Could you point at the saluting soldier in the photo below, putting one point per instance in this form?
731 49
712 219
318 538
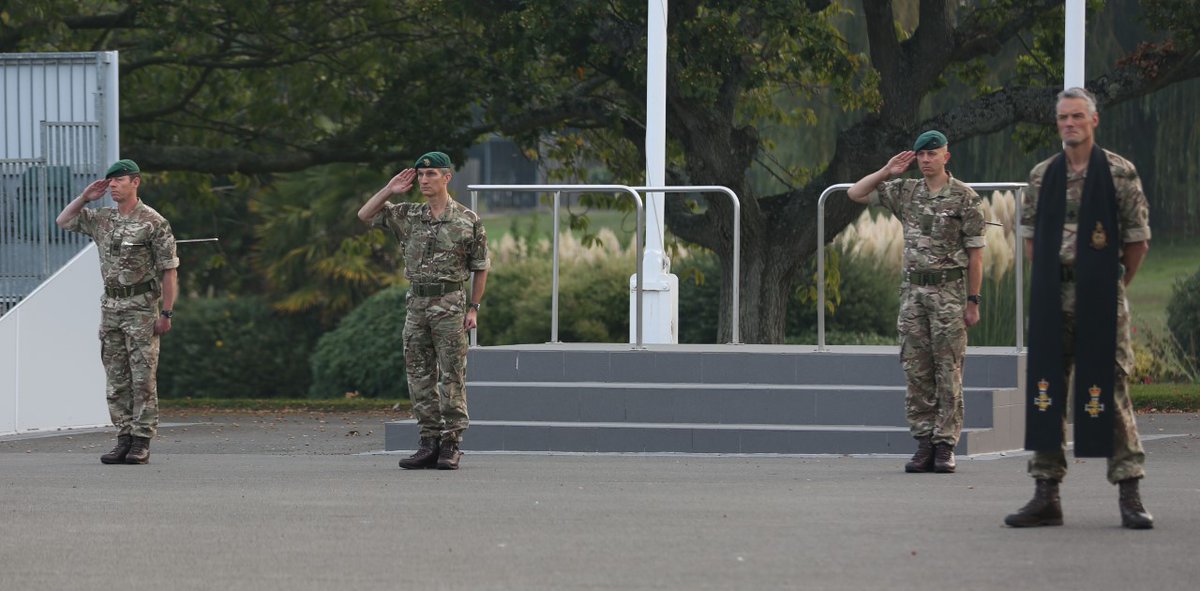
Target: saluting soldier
139 269
943 271
443 243
1086 224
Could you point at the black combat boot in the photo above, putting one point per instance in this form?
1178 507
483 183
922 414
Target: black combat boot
943 458
139 451
448 460
1044 509
1133 515
118 453
426 456
922 461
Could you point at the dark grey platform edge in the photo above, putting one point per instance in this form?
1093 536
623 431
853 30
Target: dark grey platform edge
722 399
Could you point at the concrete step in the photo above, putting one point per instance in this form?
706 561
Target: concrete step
722 364
716 399
548 436
616 402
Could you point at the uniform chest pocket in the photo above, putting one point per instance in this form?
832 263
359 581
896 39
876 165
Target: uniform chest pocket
948 226
134 246
926 222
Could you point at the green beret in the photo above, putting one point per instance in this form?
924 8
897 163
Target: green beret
433 160
122 168
930 140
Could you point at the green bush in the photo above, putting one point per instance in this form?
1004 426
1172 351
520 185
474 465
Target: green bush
365 353
1183 316
593 301
235 348
699 297
870 302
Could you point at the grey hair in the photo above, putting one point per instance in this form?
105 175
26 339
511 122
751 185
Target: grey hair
1076 92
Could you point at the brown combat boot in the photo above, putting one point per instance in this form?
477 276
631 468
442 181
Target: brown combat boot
139 451
426 456
922 461
1044 509
943 458
1133 514
118 453
448 460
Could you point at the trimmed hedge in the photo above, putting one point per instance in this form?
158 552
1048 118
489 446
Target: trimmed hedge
593 303
1183 316
365 353
235 348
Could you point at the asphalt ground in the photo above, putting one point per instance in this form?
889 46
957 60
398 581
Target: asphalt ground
305 501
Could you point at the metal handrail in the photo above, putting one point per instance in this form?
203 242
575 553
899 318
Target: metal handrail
737 237
558 190
1017 246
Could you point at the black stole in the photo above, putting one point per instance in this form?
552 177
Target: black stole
1096 275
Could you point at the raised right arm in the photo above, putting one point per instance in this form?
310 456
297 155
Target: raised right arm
93 192
400 183
861 191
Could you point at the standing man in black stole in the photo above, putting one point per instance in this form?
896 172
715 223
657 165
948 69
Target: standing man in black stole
1086 224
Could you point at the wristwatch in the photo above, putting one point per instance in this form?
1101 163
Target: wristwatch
475 306
975 299
167 314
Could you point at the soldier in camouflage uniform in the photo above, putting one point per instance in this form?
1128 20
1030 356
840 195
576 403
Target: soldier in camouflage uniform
1077 120
443 243
139 269
939 296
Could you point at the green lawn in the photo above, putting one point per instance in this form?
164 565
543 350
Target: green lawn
1165 397
1151 288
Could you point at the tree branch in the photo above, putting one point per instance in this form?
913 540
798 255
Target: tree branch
1151 68
985 30
881 36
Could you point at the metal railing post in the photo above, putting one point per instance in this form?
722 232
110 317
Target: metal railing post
821 261
1019 247
554 274
474 331
737 241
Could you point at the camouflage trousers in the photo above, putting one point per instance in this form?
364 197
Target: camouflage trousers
1128 459
933 344
435 357
129 353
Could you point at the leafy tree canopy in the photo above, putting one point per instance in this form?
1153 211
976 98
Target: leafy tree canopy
254 86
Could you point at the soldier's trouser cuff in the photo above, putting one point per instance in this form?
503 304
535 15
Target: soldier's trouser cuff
1126 469
1048 465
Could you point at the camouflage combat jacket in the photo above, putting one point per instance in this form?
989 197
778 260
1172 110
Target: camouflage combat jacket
938 228
133 248
1133 210
447 249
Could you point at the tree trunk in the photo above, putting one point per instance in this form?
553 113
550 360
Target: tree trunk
764 294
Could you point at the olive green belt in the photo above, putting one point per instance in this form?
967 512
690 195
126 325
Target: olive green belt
932 277
128 291
427 290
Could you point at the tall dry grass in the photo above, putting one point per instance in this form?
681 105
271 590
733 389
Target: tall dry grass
877 239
